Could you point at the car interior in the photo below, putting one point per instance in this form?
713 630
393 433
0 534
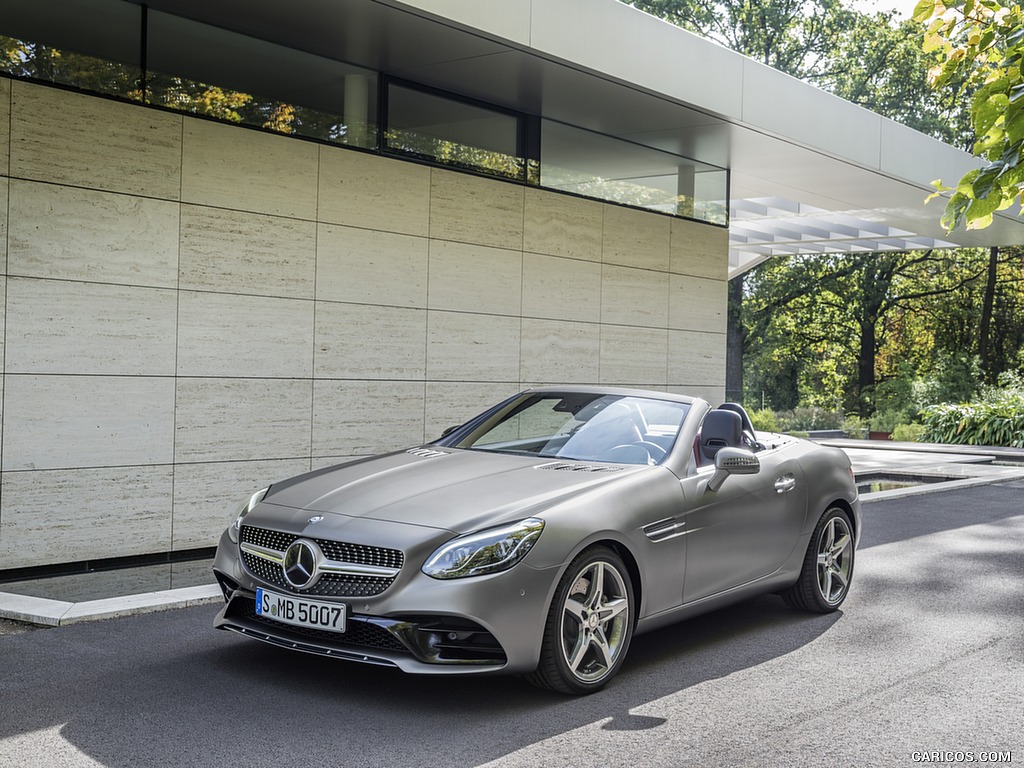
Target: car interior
727 426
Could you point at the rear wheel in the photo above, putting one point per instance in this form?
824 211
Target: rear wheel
828 566
589 625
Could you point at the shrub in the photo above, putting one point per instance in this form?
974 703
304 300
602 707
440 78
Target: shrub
805 419
854 426
887 420
908 433
996 419
764 420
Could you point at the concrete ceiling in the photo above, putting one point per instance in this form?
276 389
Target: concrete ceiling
810 172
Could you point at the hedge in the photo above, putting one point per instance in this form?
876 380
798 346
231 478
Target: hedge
999 421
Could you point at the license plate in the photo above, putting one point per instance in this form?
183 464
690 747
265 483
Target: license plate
300 612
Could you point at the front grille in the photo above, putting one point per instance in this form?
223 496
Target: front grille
329 584
357 632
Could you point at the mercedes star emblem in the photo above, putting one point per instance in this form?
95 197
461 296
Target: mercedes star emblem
299 564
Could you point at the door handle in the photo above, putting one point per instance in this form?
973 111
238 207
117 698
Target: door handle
785 484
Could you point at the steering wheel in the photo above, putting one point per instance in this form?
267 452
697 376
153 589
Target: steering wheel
656 451
640 452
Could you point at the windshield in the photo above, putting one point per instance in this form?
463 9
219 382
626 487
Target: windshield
584 426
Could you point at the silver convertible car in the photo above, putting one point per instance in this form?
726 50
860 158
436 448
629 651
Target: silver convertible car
540 537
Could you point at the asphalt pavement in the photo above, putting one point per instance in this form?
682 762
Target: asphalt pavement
923 664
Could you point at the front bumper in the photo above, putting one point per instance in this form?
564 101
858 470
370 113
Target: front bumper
479 625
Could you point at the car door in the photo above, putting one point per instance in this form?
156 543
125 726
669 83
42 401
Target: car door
745 530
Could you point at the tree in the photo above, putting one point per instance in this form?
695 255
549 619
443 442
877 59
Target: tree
981 43
852 323
871 61
879 64
794 36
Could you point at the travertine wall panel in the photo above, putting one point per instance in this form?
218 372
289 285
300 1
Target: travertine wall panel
561 289
366 417
355 341
248 170
560 225
368 267
242 419
634 296
223 334
65 327
450 404
5 125
70 138
635 238
467 347
697 249
374 193
238 252
116 512
555 352
91 236
3 335
87 421
192 310
697 304
470 209
634 356
694 358
4 185
475 278
208 496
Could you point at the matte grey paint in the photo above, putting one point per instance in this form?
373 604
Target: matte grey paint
693 550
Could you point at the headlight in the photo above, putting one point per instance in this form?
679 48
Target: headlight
236 527
497 549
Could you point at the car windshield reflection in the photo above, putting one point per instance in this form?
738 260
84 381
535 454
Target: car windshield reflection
618 429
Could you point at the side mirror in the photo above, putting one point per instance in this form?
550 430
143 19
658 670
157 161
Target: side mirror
449 430
732 461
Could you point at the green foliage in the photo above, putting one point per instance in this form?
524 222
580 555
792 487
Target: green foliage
809 418
955 378
855 427
869 59
793 36
886 420
908 433
996 418
764 420
981 44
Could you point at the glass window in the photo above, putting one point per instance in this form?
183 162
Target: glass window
205 70
606 168
582 426
452 132
45 41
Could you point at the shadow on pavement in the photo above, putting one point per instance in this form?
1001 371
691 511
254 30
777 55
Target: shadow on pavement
166 689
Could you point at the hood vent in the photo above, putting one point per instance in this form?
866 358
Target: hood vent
562 466
426 453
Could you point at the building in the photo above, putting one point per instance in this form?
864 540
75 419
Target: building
241 240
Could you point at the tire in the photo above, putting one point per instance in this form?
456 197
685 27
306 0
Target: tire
589 625
827 571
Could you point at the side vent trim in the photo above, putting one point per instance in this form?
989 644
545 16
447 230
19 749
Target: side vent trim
564 466
426 453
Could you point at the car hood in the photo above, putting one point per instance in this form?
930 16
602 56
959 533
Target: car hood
455 490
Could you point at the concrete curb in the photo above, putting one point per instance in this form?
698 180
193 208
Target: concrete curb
58 613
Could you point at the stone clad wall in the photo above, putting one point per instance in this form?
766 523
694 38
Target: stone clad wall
191 309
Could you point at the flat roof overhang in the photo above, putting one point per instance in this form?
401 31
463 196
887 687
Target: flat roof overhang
810 172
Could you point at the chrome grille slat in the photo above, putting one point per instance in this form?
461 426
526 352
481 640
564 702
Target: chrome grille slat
330 584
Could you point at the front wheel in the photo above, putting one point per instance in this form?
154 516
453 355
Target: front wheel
589 626
828 566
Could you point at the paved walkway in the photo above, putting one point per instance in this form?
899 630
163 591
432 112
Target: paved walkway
103 595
